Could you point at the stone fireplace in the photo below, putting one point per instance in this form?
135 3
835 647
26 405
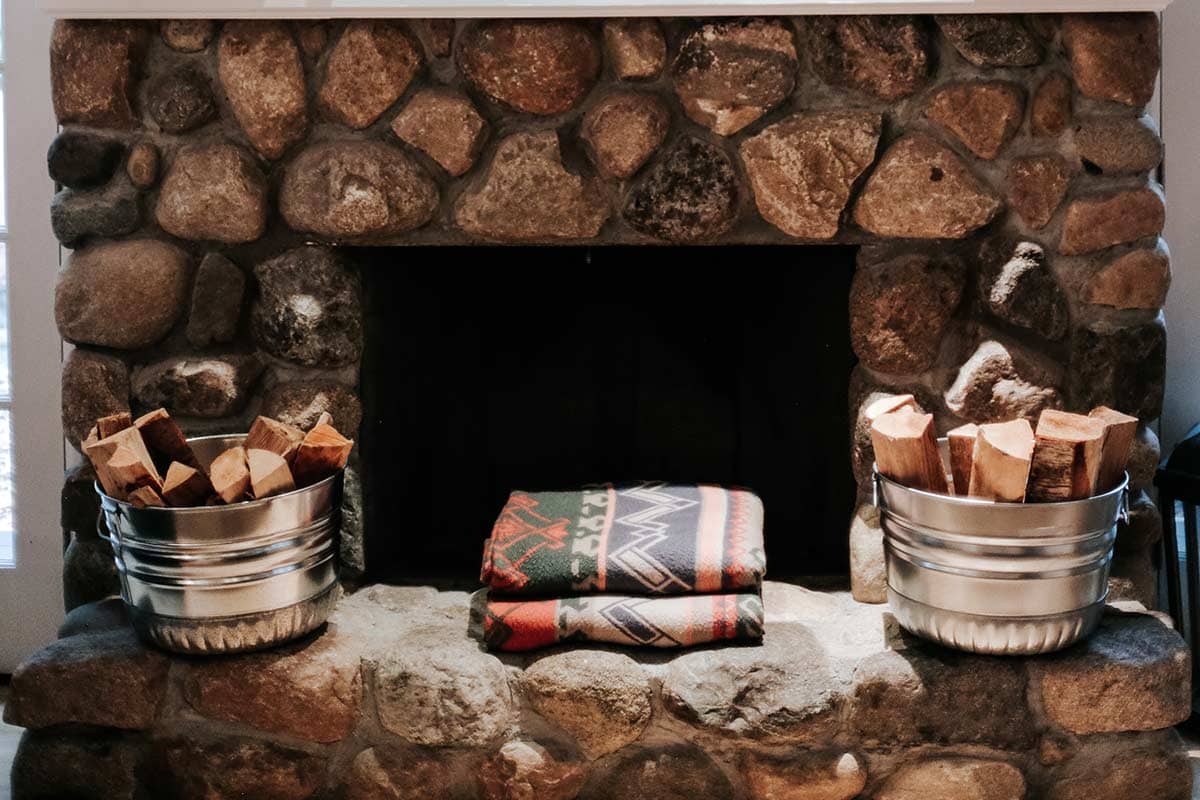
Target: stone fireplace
555 251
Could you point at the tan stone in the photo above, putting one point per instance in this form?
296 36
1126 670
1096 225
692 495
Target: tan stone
1036 187
954 779
1098 221
260 70
803 168
983 115
999 382
187 35
1119 145
921 189
888 57
635 47
600 698
366 72
92 72
213 192
1131 675
349 190
107 679
444 125
525 770
803 775
868 568
1050 112
529 196
623 130
197 386
1114 56
310 690
123 294
142 166
728 74
1137 279
93 386
379 774
536 66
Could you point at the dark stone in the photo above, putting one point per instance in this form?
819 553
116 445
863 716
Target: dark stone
260 70
1120 767
89 572
983 115
899 310
1017 285
232 766
213 192
1095 222
95 617
181 101
1051 109
351 542
202 386
1119 145
1036 187
187 35
308 310
62 766
216 301
368 69
1120 367
729 73
92 71
105 213
300 403
537 66
674 772
83 159
991 40
1114 56
1144 528
437 34
690 194
79 502
886 56
93 386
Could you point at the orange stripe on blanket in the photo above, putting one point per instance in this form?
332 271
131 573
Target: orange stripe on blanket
518 625
710 538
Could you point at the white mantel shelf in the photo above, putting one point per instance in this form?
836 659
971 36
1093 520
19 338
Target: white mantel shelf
297 9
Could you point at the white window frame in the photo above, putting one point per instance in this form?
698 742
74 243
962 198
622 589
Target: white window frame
31 593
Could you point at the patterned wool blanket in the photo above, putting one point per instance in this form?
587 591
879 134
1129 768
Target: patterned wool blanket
651 564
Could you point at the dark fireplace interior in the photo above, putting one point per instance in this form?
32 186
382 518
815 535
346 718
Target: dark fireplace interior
490 369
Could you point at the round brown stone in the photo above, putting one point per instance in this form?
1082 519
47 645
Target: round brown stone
536 66
205 386
899 310
1137 279
1098 221
885 56
93 386
300 403
1114 56
181 100
347 190
635 47
125 294
983 115
728 74
1119 145
529 196
623 130
1050 112
1036 187
991 40
803 168
922 189
142 165
804 775
92 72
187 35
444 125
689 195
366 72
954 779
213 192
260 71
1000 382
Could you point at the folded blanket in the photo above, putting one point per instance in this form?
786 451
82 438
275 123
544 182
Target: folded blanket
623 619
652 538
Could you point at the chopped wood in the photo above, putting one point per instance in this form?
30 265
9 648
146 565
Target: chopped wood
165 439
324 418
323 452
131 470
906 450
145 497
1119 432
1002 457
185 486
962 453
92 437
113 423
230 475
269 473
889 404
102 450
273 435
1066 457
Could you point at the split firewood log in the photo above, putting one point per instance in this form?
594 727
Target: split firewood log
269 473
130 470
890 404
962 453
230 475
1001 461
275 436
906 450
185 486
113 423
1119 432
164 438
101 452
1066 457
322 453
145 497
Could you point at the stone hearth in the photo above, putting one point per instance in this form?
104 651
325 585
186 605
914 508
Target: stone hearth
396 700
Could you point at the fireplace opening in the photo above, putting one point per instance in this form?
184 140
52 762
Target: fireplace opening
492 369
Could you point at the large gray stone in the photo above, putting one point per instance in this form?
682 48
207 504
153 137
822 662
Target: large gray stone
260 70
1122 767
308 310
689 195
600 698
94 385
89 571
201 386
1017 285
104 213
213 192
1001 381
82 159
1122 367
216 301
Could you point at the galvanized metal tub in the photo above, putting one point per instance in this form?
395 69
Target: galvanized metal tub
223 579
1000 578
